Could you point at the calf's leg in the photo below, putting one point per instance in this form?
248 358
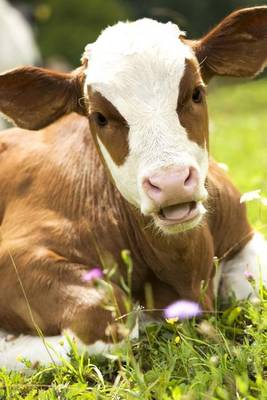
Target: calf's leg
61 302
249 263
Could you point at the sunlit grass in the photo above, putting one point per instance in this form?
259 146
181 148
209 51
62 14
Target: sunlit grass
221 357
238 125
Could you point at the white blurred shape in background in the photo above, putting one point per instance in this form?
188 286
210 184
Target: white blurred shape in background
17 44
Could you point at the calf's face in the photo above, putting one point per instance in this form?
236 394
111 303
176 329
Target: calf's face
145 91
148 113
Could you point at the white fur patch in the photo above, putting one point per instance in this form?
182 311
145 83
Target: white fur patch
33 349
138 67
53 349
251 260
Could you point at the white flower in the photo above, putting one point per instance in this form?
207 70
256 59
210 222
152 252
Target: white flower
248 196
223 166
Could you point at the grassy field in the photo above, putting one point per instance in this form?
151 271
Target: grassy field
238 130
221 357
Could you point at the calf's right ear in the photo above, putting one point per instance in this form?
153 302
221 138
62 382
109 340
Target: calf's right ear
33 97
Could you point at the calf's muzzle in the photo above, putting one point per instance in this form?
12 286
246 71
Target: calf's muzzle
172 185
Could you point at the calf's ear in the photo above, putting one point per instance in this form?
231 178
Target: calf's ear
235 47
33 98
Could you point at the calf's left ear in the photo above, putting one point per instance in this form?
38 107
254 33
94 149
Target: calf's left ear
35 97
235 47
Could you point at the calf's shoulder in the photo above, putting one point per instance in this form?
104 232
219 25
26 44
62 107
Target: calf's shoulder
227 217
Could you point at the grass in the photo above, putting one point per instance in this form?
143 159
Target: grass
238 130
221 357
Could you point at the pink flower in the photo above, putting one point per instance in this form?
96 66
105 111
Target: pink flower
182 309
248 275
92 275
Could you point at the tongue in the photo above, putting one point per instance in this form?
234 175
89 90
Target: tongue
176 212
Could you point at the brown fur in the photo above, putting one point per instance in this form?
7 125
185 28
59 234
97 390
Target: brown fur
114 136
193 116
53 94
69 214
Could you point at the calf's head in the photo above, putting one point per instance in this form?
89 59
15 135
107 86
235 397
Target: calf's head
144 85
147 110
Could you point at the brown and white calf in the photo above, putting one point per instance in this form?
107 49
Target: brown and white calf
137 176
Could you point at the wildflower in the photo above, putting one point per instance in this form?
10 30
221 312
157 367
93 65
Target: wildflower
214 360
171 321
177 340
248 196
93 274
206 329
223 166
182 309
255 301
248 275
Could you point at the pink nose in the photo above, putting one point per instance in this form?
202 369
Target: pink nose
172 185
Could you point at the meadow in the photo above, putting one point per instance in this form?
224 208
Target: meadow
222 356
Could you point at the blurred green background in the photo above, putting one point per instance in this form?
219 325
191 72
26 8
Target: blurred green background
64 27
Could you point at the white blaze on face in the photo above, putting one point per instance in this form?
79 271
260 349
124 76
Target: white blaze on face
138 66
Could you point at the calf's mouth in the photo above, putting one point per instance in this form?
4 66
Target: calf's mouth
180 213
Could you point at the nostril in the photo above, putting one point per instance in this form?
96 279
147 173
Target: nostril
150 187
191 178
188 178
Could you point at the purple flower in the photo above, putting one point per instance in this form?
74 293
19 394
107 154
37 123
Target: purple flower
92 275
248 275
182 309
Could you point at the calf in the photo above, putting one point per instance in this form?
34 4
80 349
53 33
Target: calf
138 176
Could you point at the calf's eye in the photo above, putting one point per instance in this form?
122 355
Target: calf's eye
197 95
100 119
